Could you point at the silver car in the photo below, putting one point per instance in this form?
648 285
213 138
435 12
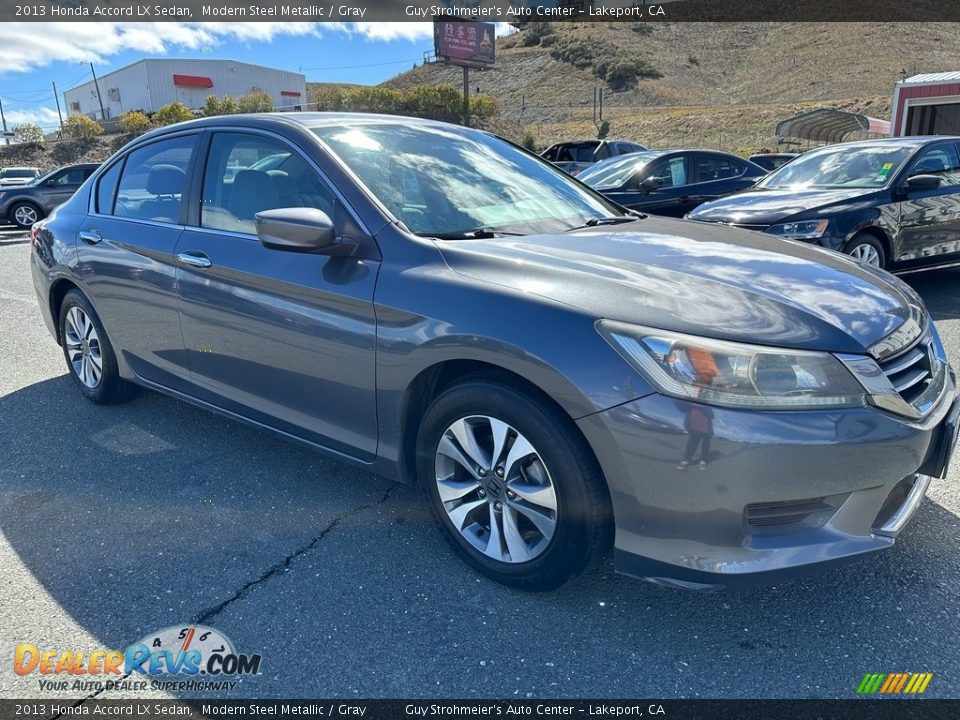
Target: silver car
437 305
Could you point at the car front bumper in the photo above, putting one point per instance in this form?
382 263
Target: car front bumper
776 494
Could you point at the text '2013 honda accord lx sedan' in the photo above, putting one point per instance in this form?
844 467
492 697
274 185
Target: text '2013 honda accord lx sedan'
438 305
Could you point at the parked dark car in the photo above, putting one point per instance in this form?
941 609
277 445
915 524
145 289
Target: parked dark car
891 203
576 156
772 161
671 182
432 303
25 204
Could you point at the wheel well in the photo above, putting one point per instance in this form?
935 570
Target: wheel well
879 236
434 380
57 293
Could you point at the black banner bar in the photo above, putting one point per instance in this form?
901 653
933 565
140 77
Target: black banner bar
861 709
511 11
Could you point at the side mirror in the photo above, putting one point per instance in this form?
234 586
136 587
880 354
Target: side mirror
301 229
651 184
923 182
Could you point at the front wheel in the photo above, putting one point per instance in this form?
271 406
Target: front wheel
868 250
513 484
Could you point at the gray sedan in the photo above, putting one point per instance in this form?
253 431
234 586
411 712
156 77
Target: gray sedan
437 305
23 205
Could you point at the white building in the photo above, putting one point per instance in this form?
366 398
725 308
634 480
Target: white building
148 85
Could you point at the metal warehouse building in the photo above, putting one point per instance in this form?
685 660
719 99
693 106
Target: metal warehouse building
148 85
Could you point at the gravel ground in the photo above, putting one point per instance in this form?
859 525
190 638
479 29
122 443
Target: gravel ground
116 522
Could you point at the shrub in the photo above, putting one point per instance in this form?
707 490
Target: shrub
439 102
81 126
28 134
133 122
220 106
172 113
256 102
529 141
692 60
641 28
535 32
621 67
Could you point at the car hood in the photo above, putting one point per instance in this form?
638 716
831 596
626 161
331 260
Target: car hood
708 280
766 207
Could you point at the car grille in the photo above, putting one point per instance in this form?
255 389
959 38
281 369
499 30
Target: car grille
910 371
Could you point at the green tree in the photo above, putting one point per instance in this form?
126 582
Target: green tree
81 126
172 113
133 122
28 134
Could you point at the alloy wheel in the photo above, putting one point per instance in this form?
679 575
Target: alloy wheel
866 254
83 347
25 215
496 489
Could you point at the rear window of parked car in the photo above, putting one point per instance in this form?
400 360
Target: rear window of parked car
153 179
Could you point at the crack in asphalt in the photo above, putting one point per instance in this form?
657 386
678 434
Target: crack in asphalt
211 612
205 615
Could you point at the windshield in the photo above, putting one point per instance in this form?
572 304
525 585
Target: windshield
39 180
612 174
18 173
442 180
853 166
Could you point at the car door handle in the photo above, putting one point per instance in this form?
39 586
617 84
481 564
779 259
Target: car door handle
91 237
194 258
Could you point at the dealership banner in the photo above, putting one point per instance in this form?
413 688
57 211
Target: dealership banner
443 709
501 11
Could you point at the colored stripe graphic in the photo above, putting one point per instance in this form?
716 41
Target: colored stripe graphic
894 683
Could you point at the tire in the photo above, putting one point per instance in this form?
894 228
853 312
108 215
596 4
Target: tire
527 551
867 249
85 343
25 214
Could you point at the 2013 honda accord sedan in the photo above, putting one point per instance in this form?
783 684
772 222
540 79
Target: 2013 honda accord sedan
891 203
437 304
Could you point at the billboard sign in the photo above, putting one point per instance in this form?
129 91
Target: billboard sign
464 42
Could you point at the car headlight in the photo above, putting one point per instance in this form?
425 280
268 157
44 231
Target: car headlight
718 372
804 230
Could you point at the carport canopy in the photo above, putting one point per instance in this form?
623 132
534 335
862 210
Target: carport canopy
829 125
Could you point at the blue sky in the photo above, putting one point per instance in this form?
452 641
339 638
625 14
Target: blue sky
32 55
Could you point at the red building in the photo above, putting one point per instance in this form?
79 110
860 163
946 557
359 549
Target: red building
927 104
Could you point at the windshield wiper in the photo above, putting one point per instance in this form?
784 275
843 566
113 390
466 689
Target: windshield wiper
475 234
617 220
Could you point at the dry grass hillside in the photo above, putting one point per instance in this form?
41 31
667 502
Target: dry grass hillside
722 84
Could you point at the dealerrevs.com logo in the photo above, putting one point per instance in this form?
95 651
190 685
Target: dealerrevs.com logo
894 683
191 657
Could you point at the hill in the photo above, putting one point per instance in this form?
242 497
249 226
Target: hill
720 85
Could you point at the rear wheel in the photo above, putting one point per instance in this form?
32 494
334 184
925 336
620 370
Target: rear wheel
513 484
25 214
867 249
89 355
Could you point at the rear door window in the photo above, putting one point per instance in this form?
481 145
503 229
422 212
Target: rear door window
154 179
710 168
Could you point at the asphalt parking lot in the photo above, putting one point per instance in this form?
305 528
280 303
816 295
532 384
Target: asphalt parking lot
116 522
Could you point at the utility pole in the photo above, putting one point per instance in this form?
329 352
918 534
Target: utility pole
59 114
4 118
103 115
